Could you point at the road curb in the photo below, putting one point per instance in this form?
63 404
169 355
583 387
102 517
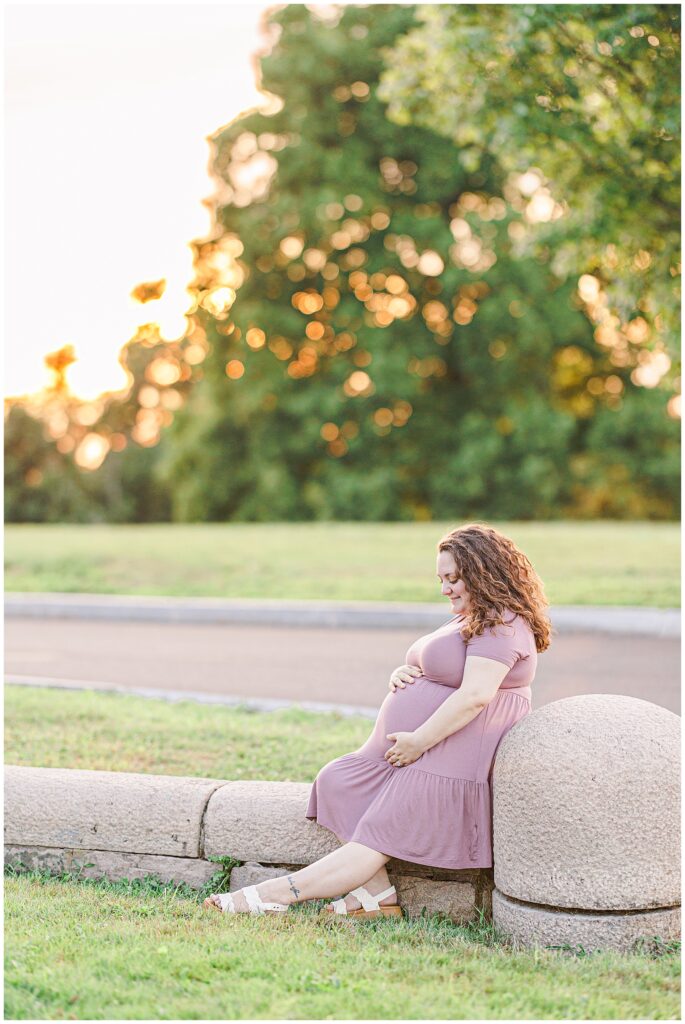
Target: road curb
173 696
635 621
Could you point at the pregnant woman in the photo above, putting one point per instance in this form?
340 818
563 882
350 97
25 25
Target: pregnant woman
420 788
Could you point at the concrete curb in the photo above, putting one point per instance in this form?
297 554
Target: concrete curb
130 825
566 619
249 703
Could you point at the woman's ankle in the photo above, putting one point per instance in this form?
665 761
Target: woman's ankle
280 890
379 883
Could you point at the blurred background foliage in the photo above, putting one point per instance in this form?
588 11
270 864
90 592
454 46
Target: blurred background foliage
443 282
590 94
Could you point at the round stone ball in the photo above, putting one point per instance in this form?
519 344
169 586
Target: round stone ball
586 805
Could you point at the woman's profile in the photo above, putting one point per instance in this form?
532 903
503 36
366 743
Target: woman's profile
420 788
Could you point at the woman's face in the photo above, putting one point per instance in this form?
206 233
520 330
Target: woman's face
452 584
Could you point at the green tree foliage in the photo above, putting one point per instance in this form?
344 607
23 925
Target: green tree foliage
468 313
67 460
41 483
396 348
589 96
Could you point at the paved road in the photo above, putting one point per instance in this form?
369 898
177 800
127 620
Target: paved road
342 666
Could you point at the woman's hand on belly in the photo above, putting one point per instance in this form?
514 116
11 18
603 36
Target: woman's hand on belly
402 675
406 749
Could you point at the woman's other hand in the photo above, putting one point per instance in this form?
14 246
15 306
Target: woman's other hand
406 749
403 675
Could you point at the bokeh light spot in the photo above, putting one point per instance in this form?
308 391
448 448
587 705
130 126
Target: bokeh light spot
235 369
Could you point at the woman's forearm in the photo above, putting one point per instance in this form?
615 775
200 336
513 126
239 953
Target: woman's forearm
452 715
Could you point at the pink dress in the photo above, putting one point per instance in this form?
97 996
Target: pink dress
438 810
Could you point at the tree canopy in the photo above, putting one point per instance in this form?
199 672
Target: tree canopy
383 343
583 101
438 283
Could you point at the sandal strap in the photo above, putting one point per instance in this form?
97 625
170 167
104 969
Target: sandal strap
253 900
367 901
226 901
256 903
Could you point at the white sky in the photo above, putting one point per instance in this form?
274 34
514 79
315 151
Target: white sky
107 109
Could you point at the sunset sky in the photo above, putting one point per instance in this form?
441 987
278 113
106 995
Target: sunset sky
107 112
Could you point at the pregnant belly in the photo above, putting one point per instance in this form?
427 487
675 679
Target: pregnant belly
404 711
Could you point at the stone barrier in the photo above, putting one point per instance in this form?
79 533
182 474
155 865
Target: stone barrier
121 825
586 824
112 811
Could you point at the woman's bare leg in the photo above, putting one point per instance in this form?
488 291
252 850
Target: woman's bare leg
336 873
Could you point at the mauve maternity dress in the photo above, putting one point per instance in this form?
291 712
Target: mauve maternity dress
437 810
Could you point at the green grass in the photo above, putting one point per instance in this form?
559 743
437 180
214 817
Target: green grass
122 733
580 562
129 951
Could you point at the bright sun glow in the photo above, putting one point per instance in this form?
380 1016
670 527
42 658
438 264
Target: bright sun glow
108 113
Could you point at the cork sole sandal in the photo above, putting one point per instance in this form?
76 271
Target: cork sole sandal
370 906
254 902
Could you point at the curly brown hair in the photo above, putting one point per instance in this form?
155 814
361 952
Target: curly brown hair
500 578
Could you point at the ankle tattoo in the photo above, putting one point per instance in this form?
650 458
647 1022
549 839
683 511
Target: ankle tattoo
293 888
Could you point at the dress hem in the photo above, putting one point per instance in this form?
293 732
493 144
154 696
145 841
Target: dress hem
400 856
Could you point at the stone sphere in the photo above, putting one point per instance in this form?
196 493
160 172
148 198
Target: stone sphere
586 805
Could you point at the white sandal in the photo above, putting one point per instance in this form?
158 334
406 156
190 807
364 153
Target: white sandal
254 901
370 904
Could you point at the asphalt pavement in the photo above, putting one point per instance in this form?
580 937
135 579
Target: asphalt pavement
332 666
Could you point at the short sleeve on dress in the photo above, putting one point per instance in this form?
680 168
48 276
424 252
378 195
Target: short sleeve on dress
499 644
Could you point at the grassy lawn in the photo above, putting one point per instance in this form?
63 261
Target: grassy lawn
131 951
579 562
83 949
122 733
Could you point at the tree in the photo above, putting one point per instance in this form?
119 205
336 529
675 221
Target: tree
580 104
41 483
386 324
369 355
68 460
